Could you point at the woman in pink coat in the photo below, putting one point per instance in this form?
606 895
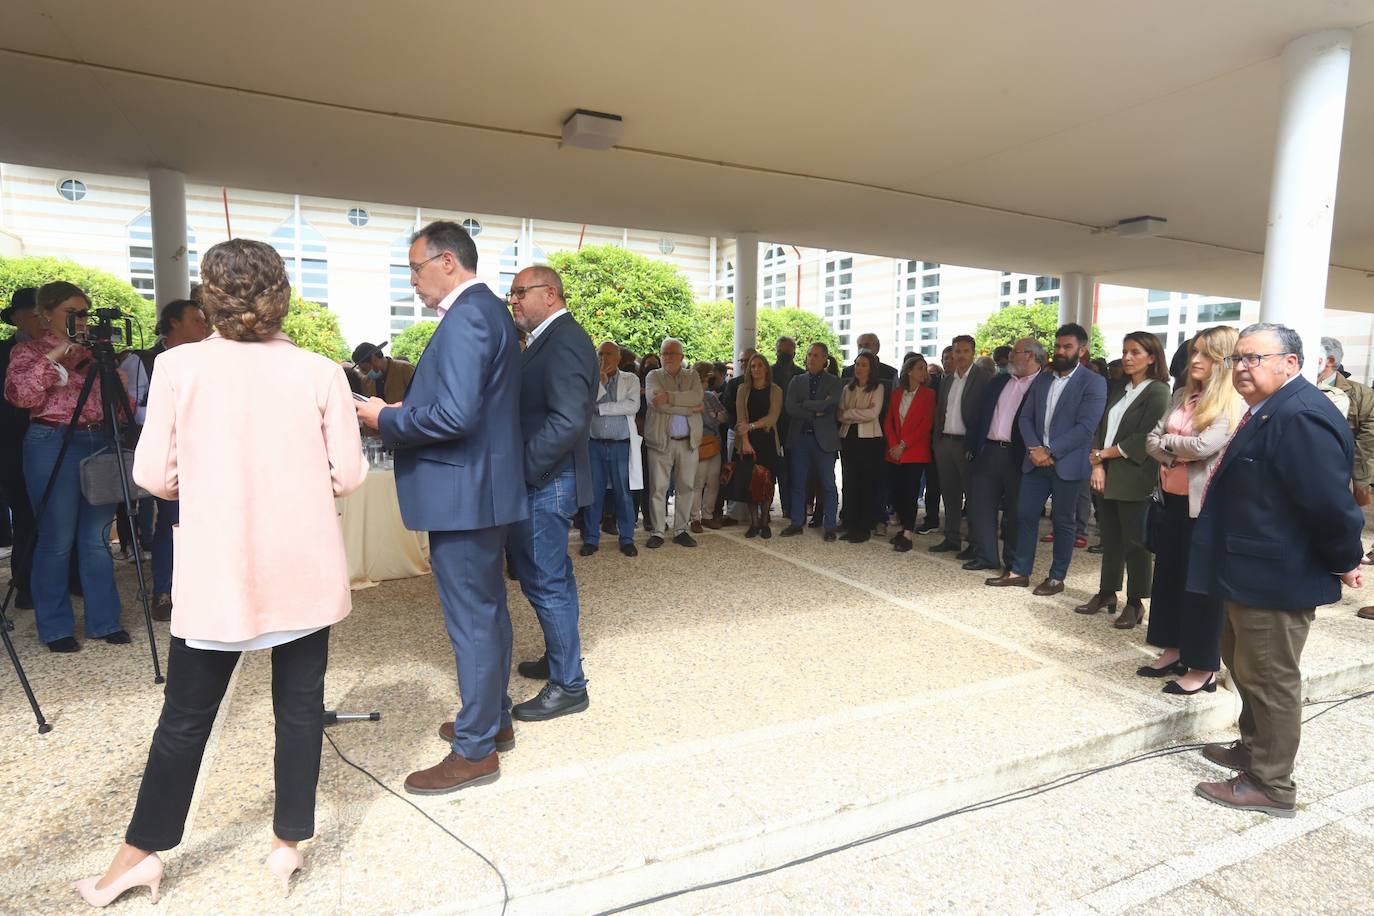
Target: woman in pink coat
256 438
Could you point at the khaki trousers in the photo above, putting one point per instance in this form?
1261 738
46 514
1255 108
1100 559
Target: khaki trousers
677 462
1262 648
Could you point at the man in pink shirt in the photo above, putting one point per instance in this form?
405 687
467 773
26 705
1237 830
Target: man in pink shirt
995 453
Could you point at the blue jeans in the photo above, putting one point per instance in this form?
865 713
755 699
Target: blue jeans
610 468
807 456
539 554
1037 485
168 514
68 521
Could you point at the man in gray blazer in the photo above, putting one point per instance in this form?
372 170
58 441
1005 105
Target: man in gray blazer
813 441
956 412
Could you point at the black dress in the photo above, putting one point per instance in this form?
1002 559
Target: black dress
764 441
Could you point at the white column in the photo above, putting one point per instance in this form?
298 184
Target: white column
746 291
167 203
1302 195
1069 290
712 288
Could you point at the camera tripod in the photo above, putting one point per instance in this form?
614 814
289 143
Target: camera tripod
113 402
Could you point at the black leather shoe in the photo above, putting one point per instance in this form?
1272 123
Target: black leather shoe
117 638
859 538
65 644
968 553
587 550
901 544
829 535
629 550
792 531
979 564
551 702
685 540
945 547
1177 669
536 670
654 542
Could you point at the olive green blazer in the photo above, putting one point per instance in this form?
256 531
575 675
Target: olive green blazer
1134 476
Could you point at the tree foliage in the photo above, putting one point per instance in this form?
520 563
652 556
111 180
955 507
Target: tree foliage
411 342
313 327
618 295
1040 321
104 289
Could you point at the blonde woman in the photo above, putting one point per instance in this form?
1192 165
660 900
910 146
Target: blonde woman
1187 442
758 404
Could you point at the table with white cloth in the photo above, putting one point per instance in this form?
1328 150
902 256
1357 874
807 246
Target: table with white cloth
378 545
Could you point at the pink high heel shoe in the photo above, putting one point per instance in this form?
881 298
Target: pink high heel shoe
283 863
148 871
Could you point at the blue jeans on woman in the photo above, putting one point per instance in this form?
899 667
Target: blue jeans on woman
68 521
168 513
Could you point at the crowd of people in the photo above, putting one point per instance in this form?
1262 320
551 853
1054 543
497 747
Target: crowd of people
1230 502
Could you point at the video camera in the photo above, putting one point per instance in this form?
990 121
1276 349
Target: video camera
108 327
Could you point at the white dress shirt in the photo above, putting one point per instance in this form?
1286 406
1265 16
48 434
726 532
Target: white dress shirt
954 413
544 324
1057 386
446 303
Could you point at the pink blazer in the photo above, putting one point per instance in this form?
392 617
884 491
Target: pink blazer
256 440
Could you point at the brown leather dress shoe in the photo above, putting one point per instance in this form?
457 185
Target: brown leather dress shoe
1048 588
453 773
696 527
728 522
505 738
1366 613
1008 581
1233 756
712 523
1243 795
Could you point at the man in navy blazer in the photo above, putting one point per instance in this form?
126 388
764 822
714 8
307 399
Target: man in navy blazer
1057 423
458 460
1278 533
559 380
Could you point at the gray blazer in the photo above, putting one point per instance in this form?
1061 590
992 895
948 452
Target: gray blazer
974 383
1200 452
820 412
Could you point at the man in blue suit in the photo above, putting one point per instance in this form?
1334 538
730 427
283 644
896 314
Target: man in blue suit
1278 533
559 381
458 476
1057 423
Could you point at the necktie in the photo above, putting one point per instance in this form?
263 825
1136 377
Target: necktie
1206 488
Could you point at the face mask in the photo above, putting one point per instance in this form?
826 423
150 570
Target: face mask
374 374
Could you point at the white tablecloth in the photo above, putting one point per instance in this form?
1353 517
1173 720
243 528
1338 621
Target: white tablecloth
379 546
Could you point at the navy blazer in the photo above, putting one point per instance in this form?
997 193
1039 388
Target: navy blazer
987 406
1278 523
458 451
1073 426
558 386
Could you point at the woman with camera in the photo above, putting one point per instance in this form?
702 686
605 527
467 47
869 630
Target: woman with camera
45 377
259 553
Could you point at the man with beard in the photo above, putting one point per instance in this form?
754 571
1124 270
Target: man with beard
1057 424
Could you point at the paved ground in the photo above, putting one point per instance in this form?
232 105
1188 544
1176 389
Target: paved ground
752 702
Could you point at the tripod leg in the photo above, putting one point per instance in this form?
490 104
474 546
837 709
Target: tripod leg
43 725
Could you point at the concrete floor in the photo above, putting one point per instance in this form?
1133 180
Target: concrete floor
751 702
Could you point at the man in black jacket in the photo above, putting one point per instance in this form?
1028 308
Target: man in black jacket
22 313
558 385
1277 536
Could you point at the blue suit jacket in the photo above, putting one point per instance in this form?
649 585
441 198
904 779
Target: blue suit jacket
458 449
1279 523
1074 423
559 379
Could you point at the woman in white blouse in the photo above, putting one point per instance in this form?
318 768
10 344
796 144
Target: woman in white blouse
1126 475
861 448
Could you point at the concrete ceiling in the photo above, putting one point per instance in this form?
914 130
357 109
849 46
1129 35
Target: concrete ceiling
994 133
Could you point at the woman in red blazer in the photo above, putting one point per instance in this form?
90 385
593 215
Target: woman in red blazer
907 428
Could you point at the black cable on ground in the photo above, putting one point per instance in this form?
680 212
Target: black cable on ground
505 889
1019 795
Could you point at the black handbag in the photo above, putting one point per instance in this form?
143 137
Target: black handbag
1154 521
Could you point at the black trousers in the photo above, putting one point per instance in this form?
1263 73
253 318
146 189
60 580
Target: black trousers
1180 619
906 480
932 493
994 484
17 495
196 681
861 463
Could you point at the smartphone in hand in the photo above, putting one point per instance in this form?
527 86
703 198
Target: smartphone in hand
360 397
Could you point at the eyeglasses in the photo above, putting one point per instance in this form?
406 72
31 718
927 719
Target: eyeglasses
673 353
415 268
1251 360
518 292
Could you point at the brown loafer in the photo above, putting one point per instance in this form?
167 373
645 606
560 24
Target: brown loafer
505 738
1233 756
1008 581
1243 795
728 522
1048 588
713 524
1366 613
1097 603
696 527
453 773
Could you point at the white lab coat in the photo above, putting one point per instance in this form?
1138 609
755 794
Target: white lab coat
626 404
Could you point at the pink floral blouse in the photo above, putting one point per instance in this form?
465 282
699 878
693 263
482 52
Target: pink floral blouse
34 382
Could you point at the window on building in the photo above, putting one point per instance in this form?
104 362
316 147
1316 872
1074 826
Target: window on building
839 282
473 227
306 257
907 272
72 189
930 316
910 334
931 265
928 351
1021 285
930 280
1163 341
910 317
141 256
512 263
1217 312
1042 284
1157 316
357 216
844 324
1003 304
1006 287
729 278
930 298
1158 295
929 333
774 291
404 304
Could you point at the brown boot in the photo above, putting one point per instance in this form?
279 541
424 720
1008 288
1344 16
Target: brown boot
505 738
453 773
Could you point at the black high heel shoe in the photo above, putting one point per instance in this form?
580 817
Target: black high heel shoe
1177 668
1173 688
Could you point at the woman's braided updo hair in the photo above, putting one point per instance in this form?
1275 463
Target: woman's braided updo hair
244 289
